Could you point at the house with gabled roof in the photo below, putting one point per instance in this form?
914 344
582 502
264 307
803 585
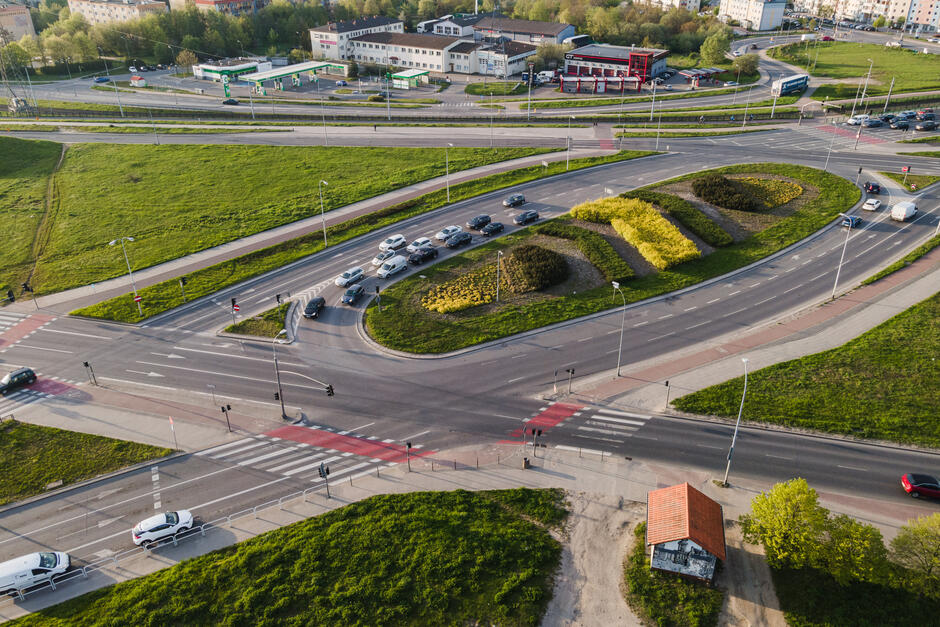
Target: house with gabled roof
685 532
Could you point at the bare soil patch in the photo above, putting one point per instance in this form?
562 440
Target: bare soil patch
750 600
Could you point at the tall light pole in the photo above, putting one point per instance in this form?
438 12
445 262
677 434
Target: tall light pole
447 169
322 219
734 438
567 152
660 125
499 254
129 273
623 319
113 84
277 372
653 103
326 140
842 258
865 89
831 140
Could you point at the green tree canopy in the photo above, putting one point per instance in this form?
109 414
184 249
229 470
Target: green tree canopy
715 47
854 551
746 64
917 547
789 522
879 22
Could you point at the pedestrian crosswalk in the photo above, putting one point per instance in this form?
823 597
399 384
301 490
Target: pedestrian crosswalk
297 451
45 387
9 319
604 425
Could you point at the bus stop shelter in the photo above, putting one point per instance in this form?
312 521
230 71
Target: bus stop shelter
410 79
293 73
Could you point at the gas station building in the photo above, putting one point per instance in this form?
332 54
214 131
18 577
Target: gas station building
293 73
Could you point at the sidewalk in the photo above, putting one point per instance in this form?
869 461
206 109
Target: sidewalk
217 254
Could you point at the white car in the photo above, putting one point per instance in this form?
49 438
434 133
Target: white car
393 266
855 120
382 257
933 40
160 526
349 277
132 68
447 231
872 204
421 242
394 242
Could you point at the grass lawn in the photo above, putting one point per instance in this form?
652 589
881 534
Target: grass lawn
496 88
267 324
931 139
424 558
405 325
872 387
665 599
812 598
43 455
840 60
166 295
907 260
23 182
223 193
920 180
932 153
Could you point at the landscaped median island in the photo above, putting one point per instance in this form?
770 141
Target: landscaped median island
912 181
880 385
266 324
666 239
103 191
166 295
37 458
424 558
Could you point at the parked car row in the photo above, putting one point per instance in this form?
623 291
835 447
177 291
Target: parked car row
923 120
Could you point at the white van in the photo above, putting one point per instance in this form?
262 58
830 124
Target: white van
903 211
30 570
545 76
855 120
393 266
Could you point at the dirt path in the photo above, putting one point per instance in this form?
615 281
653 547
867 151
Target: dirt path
587 588
750 600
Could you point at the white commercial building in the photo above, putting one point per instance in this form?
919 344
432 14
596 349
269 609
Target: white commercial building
408 50
331 41
451 25
759 15
688 5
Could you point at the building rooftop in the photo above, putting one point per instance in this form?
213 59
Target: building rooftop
519 26
418 40
356 24
614 52
463 20
681 512
515 48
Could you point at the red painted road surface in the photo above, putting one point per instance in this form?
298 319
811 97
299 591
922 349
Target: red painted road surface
365 447
21 329
545 420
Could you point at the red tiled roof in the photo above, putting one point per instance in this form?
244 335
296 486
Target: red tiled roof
681 512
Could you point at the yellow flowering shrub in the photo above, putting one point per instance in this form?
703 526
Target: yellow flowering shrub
468 290
771 192
643 227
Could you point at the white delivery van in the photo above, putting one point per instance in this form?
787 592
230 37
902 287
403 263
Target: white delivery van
545 76
808 37
903 211
30 570
393 266
855 120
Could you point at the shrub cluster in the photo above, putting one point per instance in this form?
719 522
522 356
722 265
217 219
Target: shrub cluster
771 192
638 222
530 268
467 290
593 246
724 192
690 217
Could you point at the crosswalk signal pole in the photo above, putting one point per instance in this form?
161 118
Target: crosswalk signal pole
225 410
325 475
408 454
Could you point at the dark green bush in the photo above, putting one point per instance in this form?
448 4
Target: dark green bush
533 268
690 217
667 599
723 192
598 250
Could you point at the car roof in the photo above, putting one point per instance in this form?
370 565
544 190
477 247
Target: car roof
153 521
919 479
317 300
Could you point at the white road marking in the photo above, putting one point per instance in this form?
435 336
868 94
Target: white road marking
585 339
96 337
294 462
852 468
709 446
294 471
778 457
691 308
735 292
239 450
715 300
625 430
277 453
222 446
225 374
516 379
637 423
412 437
40 348
604 431
700 324
640 324
229 355
659 337
363 426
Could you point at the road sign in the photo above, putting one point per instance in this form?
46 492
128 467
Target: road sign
905 168
235 308
137 299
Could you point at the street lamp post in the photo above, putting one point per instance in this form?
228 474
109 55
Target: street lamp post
831 140
499 254
623 319
129 273
734 438
653 103
567 152
867 78
447 169
277 372
322 218
659 126
113 84
326 140
842 258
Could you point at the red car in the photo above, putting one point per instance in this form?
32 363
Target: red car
826 38
918 485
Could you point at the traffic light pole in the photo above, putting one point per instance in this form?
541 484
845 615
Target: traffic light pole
277 373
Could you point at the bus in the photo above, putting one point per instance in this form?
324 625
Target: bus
789 84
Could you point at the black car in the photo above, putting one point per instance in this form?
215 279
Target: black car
230 101
925 117
16 379
458 239
926 125
312 310
422 254
492 228
353 294
525 217
872 123
900 125
514 201
887 118
872 188
478 222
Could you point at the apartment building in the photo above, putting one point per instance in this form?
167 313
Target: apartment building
229 7
15 19
105 11
759 15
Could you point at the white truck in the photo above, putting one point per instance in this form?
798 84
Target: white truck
27 571
903 211
808 37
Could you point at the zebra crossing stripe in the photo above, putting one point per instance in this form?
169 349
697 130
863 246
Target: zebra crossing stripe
255 460
222 446
296 461
294 471
637 423
256 443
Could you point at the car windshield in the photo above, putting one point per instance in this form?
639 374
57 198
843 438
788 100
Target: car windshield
390 240
347 274
48 560
352 291
172 518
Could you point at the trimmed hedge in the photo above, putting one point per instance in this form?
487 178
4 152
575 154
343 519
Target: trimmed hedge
683 211
724 192
532 268
598 251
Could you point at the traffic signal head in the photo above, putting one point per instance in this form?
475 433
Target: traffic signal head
277 396
329 390
183 280
27 288
278 297
233 302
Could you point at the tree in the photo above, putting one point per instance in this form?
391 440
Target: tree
14 54
789 522
826 11
900 21
746 64
715 47
296 55
917 547
879 22
854 551
186 60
